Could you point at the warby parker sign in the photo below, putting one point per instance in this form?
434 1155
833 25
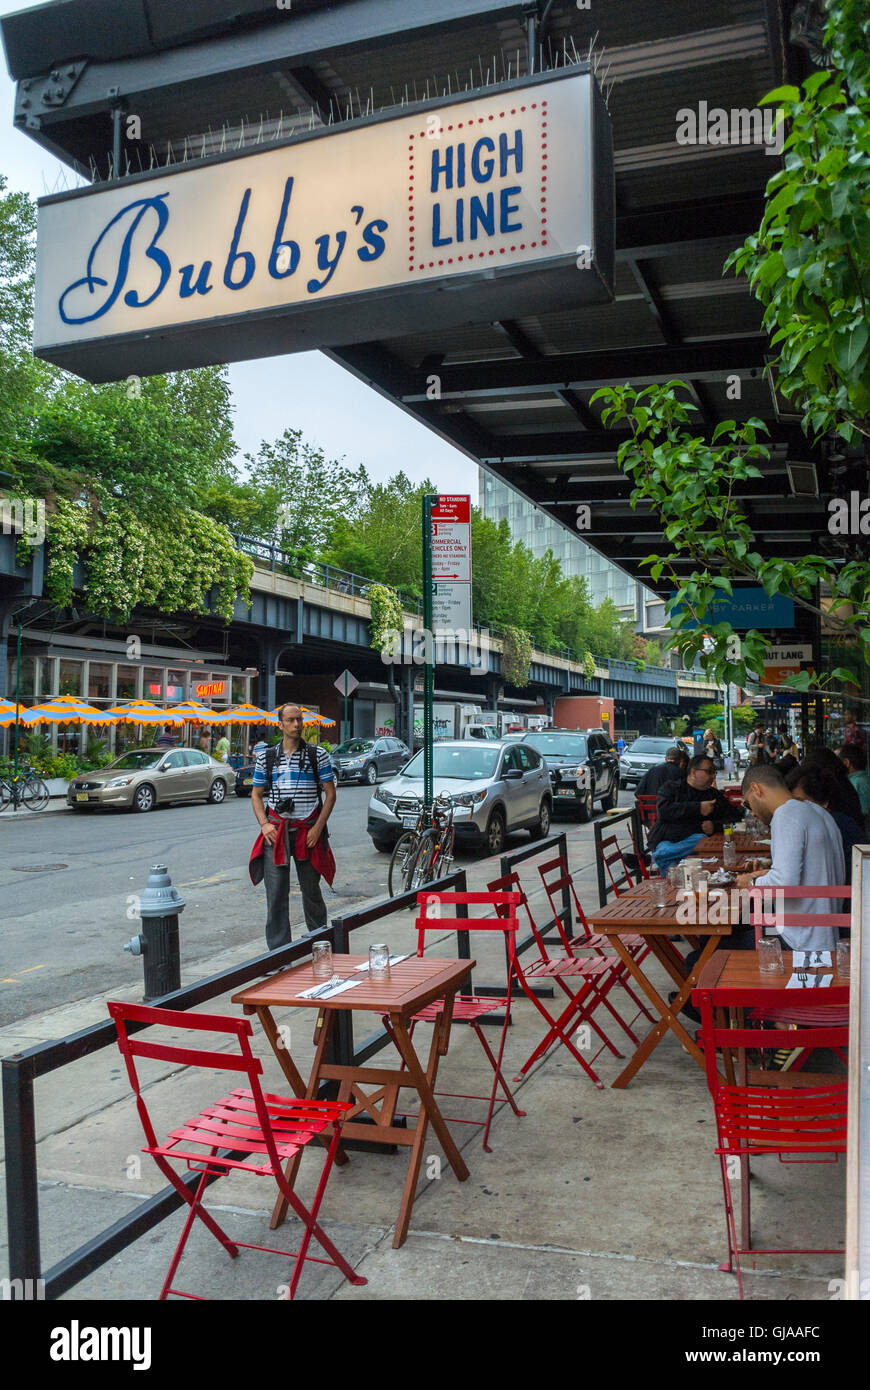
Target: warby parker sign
335 237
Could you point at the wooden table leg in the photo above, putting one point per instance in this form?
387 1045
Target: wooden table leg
325 1019
292 1074
667 1012
429 1111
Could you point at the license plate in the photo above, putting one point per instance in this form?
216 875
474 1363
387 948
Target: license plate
248 782
81 796
409 822
565 791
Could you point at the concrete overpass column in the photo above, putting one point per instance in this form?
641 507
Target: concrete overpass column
269 654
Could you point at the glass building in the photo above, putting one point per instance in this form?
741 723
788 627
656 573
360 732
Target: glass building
541 533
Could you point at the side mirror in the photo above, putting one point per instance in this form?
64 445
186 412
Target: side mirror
512 773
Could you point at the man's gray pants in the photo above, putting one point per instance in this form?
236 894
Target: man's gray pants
277 881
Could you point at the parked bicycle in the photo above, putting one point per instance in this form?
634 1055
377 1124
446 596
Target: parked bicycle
424 851
23 788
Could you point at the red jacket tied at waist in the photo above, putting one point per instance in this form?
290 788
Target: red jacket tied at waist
321 856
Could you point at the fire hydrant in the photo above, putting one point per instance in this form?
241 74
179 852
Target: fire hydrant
158 945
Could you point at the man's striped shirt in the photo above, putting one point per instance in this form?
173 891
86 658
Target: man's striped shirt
292 776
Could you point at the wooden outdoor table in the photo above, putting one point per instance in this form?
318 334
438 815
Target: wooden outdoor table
743 844
413 983
634 913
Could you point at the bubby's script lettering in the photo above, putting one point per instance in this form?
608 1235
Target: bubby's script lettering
123 255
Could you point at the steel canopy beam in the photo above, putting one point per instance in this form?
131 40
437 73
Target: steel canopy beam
715 358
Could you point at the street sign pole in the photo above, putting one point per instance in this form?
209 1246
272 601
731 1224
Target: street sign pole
428 669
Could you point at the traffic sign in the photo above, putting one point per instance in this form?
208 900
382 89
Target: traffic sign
346 683
451 606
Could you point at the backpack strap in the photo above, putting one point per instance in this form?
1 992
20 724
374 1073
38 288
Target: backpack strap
313 764
272 753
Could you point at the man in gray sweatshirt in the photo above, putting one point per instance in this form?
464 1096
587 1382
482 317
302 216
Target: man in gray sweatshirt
805 847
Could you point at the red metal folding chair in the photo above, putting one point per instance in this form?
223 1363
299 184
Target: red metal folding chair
752 1121
611 854
593 975
472 1008
260 1132
761 909
557 878
648 810
734 795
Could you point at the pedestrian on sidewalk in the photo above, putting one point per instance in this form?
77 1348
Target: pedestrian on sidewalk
293 795
167 739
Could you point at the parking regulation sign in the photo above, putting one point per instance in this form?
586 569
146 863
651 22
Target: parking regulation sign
451 562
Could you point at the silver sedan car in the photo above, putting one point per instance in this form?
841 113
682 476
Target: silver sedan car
497 787
143 778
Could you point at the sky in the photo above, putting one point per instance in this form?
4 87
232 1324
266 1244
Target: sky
300 391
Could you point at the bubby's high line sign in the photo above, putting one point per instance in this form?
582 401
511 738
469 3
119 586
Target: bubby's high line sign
336 238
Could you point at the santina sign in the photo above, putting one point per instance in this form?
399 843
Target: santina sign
335 238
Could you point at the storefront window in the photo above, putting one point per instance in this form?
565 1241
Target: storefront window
99 681
70 678
126 684
29 690
152 683
240 690
175 685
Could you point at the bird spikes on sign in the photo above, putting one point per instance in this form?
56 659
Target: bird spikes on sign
265 129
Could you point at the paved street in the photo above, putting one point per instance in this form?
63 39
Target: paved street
63 928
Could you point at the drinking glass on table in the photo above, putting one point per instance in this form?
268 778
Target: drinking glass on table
658 891
770 956
321 960
379 962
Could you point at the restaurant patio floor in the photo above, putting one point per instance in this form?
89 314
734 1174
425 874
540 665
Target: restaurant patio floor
599 1195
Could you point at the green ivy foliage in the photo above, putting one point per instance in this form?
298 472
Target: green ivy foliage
387 617
174 566
516 657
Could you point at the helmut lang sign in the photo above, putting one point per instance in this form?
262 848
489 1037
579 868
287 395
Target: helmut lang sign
334 238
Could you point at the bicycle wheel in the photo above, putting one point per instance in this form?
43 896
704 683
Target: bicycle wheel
34 794
5 794
403 856
422 870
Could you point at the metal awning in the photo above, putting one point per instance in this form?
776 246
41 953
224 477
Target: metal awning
515 395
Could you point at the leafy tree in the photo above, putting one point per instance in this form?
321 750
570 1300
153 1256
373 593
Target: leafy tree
309 493
809 262
743 718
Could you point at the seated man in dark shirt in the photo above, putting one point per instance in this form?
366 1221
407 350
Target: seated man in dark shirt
687 811
673 769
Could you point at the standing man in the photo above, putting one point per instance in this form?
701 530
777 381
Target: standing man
293 795
852 731
222 748
620 746
167 739
755 745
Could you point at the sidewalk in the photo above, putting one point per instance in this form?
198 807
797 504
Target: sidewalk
593 1195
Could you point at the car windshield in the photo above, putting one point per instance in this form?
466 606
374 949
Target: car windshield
652 745
558 745
474 763
138 759
354 745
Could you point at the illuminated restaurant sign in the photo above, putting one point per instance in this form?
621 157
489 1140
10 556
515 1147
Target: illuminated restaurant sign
506 195
210 688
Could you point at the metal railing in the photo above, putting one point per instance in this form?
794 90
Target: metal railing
21 1071
316 572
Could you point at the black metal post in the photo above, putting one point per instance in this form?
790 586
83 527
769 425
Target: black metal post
22 1192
